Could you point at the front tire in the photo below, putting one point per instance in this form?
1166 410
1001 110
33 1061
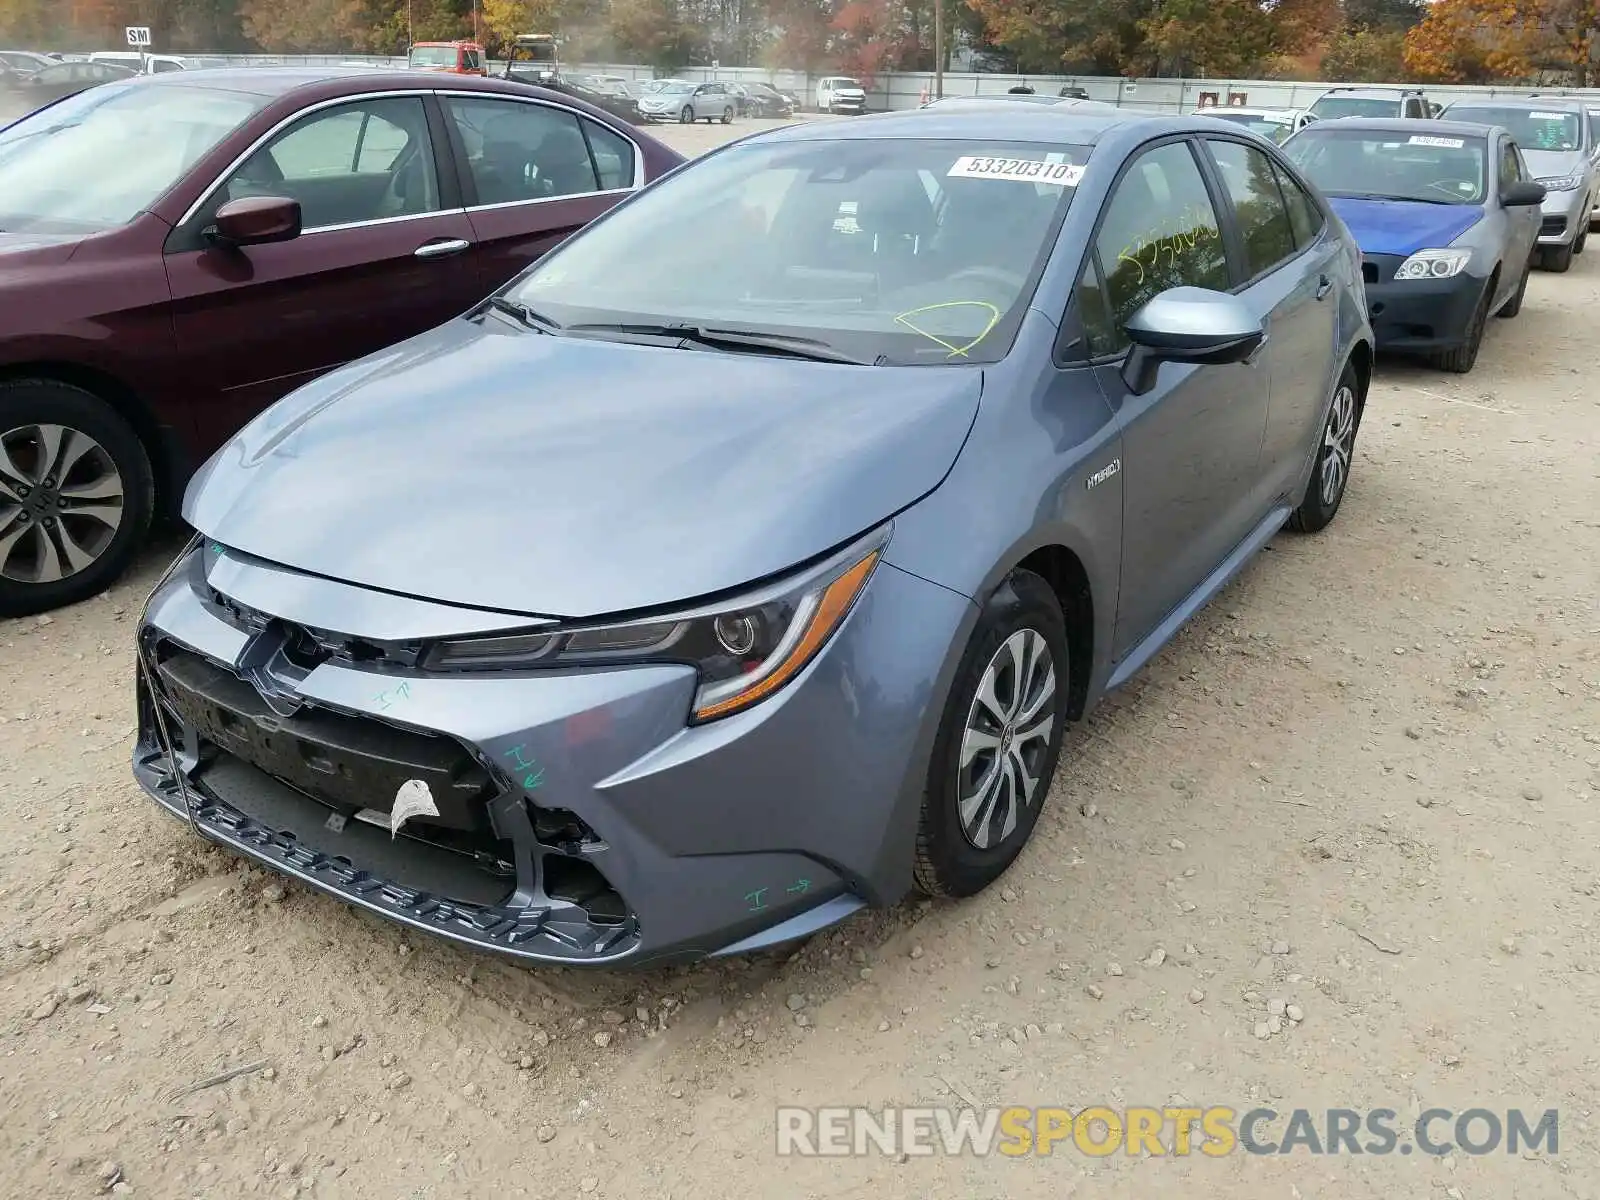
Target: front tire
1514 305
76 496
1330 474
998 742
686 116
1556 258
1582 240
1465 356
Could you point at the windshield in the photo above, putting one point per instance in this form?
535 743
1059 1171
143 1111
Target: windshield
433 56
1330 107
1390 165
1267 127
675 88
98 159
1532 129
842 83
918 251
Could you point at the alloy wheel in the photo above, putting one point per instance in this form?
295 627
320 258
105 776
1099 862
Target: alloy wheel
1338 441
61 502
1006 739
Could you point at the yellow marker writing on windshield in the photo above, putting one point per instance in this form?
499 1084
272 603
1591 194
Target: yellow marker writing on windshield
955 351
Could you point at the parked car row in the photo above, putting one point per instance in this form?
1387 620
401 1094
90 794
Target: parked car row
669 671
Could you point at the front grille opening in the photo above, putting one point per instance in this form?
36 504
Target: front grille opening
579 882
563 829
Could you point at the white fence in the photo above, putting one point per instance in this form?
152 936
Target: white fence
905 89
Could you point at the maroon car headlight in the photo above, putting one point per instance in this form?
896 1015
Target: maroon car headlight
744 650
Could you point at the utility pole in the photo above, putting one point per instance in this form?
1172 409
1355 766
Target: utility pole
938 49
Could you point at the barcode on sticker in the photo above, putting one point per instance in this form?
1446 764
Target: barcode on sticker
1447 143
1544 116
1022 170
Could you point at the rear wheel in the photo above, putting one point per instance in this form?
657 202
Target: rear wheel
998 742
1331 473
1556 258
727 116
76 496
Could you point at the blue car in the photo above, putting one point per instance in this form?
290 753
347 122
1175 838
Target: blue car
1447 217
697 591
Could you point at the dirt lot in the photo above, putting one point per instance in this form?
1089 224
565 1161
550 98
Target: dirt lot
1362 784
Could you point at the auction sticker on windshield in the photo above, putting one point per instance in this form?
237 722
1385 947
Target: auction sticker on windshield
1447 143
1022 170
1549 116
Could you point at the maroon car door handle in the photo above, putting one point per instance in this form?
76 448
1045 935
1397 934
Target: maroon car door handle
442 248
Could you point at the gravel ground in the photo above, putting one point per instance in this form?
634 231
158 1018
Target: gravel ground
1359 789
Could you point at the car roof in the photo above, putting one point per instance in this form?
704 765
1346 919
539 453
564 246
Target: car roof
1434 128
274 82
1246 109
1374 90
1066 124
1527 103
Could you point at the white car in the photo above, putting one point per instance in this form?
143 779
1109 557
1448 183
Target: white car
841 94
1274 124
154 64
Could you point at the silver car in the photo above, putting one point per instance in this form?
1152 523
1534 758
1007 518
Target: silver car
938 429
1557 143
1275 124
687 102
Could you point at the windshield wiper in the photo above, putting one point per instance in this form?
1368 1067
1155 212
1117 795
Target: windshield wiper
529 317
1382 196
786 345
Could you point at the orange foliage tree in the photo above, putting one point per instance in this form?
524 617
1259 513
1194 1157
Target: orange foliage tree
1473 41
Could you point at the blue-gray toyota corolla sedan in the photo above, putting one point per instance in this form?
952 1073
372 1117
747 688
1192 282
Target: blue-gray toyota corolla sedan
743 562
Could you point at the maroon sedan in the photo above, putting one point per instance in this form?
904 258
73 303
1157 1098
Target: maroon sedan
178 251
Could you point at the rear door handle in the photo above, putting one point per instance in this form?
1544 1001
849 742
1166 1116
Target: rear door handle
1324 287
440 249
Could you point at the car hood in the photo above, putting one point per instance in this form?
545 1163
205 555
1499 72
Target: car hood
568 477
19 249
1404 227
1553 164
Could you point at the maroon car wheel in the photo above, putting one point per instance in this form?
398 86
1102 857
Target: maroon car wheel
76 496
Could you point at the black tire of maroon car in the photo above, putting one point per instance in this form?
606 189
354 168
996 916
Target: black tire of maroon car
28 403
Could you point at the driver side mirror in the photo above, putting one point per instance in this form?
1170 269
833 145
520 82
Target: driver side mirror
1189 325
255 221
1524 193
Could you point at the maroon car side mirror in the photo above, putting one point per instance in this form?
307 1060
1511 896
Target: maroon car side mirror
255 221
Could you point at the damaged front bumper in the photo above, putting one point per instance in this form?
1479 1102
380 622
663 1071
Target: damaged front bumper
579 819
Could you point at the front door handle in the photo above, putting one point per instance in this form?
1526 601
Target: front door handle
1324 287
440 249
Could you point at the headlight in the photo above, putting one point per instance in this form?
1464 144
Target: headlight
1433 264
744 650
1562 183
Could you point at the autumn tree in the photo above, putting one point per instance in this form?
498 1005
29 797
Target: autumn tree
1471 41
1364 56
1219 37
1104 37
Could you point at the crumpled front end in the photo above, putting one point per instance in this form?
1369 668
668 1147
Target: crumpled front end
572 815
